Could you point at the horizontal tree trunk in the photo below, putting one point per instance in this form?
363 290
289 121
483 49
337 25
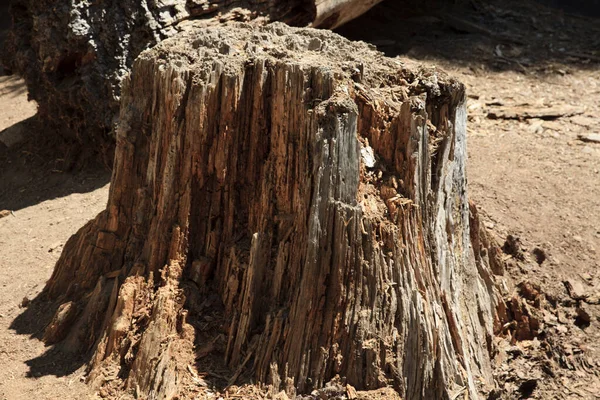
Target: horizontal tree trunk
75 54
317 188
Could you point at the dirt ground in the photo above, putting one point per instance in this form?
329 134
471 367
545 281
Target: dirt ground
533 79
47 206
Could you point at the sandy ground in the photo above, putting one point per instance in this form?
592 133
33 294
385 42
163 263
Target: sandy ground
532 178
48 205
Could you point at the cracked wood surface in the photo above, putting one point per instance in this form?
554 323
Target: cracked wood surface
241 172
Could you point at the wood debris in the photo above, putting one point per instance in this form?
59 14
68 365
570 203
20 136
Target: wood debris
528 112
590 138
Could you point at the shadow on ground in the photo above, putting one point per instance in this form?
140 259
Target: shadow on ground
12 86
57 361
39 166
525 36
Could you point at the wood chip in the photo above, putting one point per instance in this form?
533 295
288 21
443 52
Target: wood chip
241 367
590 138
351 392
197 380
527 112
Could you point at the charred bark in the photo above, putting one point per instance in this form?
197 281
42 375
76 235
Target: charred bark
313 185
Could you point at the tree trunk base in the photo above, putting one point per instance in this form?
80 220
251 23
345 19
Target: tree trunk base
292 203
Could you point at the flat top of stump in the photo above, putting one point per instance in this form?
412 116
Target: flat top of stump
198 48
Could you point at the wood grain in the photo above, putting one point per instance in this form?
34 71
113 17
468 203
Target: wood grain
240 168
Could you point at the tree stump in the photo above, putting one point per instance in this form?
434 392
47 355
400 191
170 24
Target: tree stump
310 190
74 55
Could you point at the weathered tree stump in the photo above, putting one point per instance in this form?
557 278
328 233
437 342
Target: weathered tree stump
313 185
75 54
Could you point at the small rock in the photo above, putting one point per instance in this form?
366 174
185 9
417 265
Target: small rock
513 247
540 255
54 246
590 138
515 351
577 238
588 150
4 213
61 322
562 317
549 318
583 121
25 302
536 126
583 318
12 136
575 289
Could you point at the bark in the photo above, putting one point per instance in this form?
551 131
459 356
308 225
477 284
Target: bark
305 191
75 54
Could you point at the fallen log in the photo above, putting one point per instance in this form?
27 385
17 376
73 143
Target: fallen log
74 55
316 190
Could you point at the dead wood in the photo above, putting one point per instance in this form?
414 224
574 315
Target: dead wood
527 112
590 138
317 189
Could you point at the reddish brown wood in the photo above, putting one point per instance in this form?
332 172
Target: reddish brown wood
315 187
